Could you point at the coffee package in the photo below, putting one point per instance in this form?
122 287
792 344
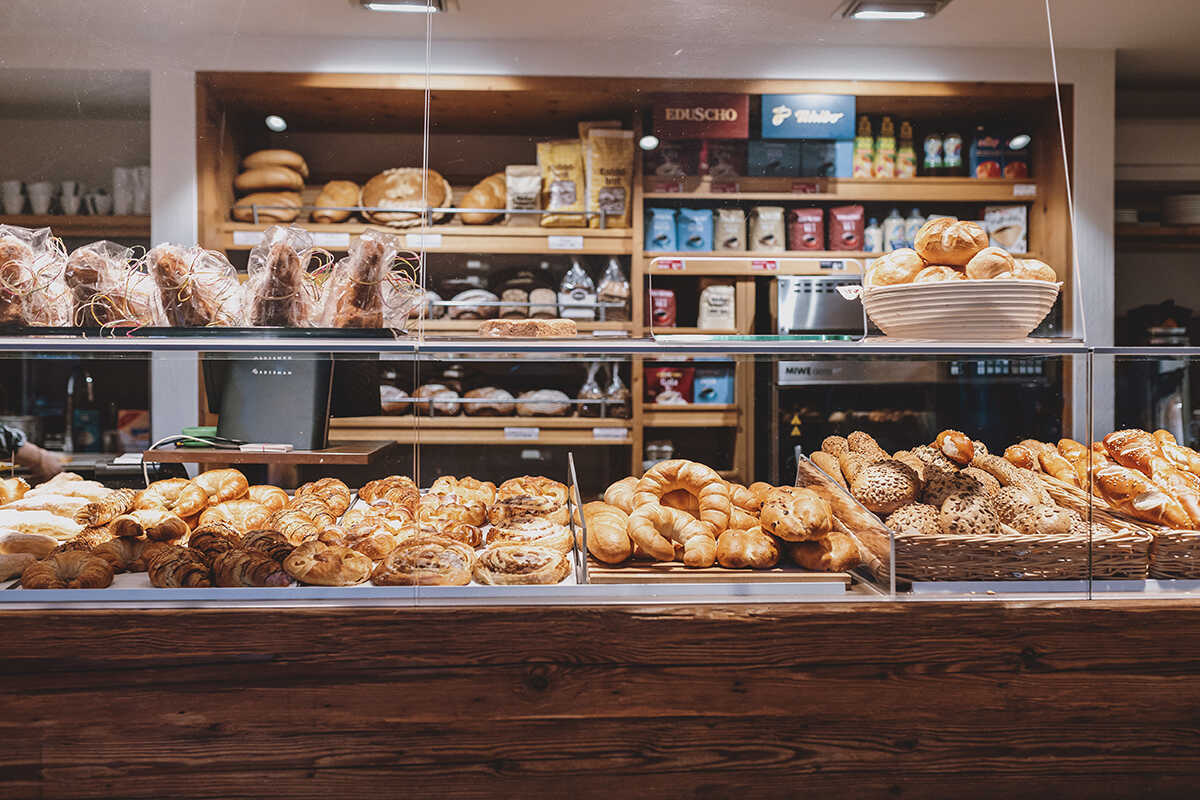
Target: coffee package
609 176
730 229
767 229
846 227
806 229
561 163
660 229
523 184
694 229
717 308
1006 227
660 311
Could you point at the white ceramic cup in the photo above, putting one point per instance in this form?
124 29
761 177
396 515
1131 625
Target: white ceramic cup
41 194
123 190
98 202
141 190
70 196
13 198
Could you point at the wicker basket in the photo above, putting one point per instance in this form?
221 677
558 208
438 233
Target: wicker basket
1175 554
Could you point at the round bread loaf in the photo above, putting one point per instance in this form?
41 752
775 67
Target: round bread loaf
332 202
269 179
271 207
491 192
409 188
276 158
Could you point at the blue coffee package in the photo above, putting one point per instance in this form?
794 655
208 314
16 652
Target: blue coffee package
694 229
660 229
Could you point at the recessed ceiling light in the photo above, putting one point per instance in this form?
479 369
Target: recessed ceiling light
1019 142
276 123
648 142
890 10
404 6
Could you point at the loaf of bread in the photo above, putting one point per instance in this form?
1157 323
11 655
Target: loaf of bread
463 308
949 241
407 188
499 402
529 328
271 207
491 192
276 158
543 403
436 399
333 200
991 262
269 179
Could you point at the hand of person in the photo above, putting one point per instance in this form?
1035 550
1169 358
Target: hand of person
42 463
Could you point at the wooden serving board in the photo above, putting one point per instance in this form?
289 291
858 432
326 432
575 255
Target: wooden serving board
676 572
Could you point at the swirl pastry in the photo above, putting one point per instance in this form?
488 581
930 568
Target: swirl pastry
332 492
426 561
320 564
540 532
71 570
511 564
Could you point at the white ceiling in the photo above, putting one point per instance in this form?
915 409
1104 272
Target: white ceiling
1156 40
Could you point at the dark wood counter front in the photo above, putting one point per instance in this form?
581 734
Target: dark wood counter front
973 700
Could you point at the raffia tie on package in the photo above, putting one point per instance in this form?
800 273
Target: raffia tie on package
196 287
108 289
32 290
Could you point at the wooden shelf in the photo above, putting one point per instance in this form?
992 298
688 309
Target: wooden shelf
406 430
337 454
405 421
692 415
1158 237
81 225
803 190
808 262
448 238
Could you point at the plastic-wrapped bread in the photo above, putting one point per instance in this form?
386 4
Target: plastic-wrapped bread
278 291
197 288
16 261
354 292
93 272
543 403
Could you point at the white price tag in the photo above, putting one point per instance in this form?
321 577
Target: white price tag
564 242
341 240
247 237
611 434
522 434
1024 189
427 241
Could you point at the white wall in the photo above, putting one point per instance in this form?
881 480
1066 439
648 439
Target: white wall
173 115
71 149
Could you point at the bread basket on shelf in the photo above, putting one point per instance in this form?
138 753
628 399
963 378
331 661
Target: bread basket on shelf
991 310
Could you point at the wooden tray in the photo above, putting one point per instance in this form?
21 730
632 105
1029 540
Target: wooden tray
676 572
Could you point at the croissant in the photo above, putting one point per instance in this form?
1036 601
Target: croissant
128 555
1132 493
248 568
153 523
320 514
76 569
295 526
332 492
213 539
106 509
175 567
699 480
178 495
272 497
1054 464
38 544
396 489
222 484
12 565
243 514
658 529
620 494
270 543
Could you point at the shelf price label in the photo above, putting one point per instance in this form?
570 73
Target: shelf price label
243 238
805 187
610 434
564 242
673 187
418 241
673 264
522 434
331 239
767 264
1024 189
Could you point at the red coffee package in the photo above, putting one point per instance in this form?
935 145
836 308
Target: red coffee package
846 228
806 229
660 311
669 385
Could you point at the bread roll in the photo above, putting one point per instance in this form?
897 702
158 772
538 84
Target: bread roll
268 210
738 549
335 193
898 266
268 179
543 403
491 192
276 158
991 262
938 274
949 241
1030 269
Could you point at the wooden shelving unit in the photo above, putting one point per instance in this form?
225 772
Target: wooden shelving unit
1158 237
84 225
858 190
480 430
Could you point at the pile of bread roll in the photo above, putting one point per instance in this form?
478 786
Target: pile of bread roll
270 182
682 510
947 249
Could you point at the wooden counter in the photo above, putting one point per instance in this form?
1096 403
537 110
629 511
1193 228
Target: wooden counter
911 700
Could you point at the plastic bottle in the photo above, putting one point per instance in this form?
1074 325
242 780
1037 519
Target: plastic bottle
911 226
906 156
873 237
577 293
885 150
893 231
932 162
864 150
952 147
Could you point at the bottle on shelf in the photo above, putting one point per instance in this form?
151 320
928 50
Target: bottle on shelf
82 417
952 159
873 236
864 150
577 293
911 226
885 150
893 231
906 156
932 163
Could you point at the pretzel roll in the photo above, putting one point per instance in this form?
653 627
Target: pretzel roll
658 530
620 494
697 479
1021 456
896 267
991 262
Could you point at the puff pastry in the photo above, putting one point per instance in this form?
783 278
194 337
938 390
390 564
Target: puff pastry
73 570
426 561
327 565
179 495
222 484
332 492
243 514
512 564
153 523
538 532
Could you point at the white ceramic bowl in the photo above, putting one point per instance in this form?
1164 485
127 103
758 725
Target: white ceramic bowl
993 310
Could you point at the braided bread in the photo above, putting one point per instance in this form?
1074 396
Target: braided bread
70 570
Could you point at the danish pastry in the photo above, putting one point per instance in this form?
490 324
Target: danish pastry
222 484
426 561
152 523
438 510
272 497
697 479
175 567
896 267
948 241
468 487
533 486
835 552
659 530
738 549
73 570
248 568
511 564
243 514
330 491
795 514
324 565
523 507
536 532
372 539
608 530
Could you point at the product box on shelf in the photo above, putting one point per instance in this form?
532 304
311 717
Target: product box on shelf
672 159
713 384
774 158
702 116
826 159
723 159
1006 227
808 116
987 156
669 385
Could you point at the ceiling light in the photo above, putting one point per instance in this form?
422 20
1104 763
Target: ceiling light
889 10
648 142
404 6
276 123
1019 142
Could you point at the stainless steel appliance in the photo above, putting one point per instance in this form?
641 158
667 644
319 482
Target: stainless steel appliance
812 304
